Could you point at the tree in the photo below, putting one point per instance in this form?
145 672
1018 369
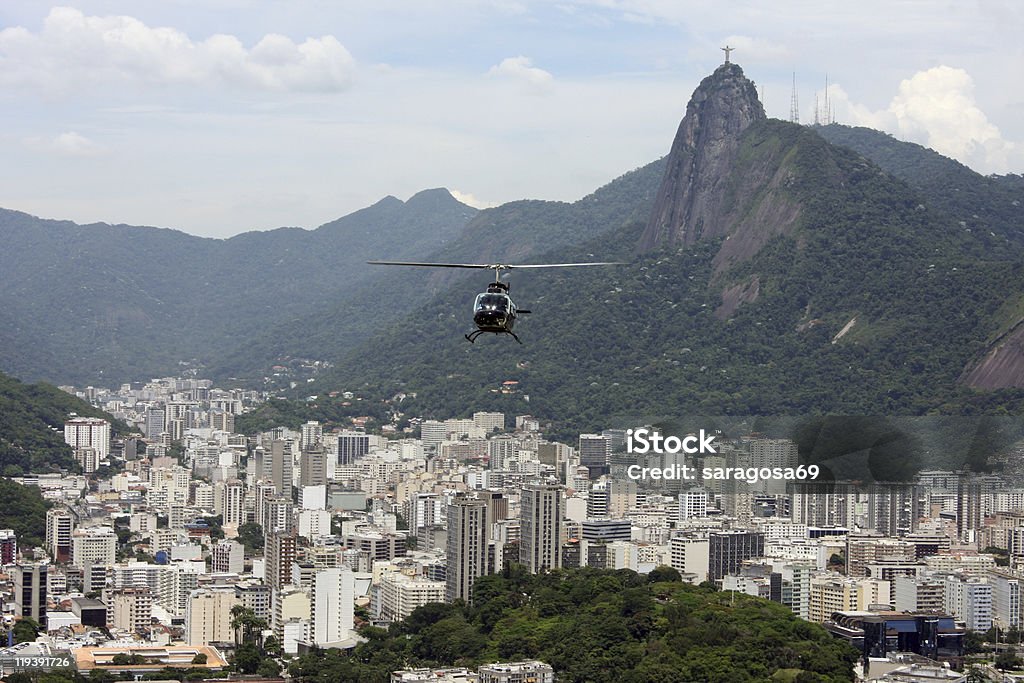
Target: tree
1008 659
250 535
973 642
272 646
200 658
269 668
664 573
23 511
26 630
247 625
246 659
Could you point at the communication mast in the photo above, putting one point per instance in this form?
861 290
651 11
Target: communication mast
828 108
794 104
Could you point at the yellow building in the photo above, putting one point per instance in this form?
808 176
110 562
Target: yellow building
208 616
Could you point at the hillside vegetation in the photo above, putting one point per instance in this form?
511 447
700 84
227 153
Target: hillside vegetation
597 626
104 304
32 427
643 340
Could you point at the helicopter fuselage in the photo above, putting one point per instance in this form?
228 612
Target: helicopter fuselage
494 311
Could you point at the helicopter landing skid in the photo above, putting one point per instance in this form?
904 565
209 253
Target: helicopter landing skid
471 337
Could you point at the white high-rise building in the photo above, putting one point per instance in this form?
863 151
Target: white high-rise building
424 510
466 551
969 598
399 594
59 525
488 422
690 555
314 523
88 432
333 606
227 556
541 509
233 504
156 422
773 453
1006 600
432 433
312 434
131 609
96 545
693 504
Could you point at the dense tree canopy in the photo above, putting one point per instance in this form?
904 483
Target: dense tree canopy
24 511
596 626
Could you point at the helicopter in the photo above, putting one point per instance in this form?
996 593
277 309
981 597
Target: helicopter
493 310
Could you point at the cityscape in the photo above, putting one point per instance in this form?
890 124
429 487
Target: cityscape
773 432
177 542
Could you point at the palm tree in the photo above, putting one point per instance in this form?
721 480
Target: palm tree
247 625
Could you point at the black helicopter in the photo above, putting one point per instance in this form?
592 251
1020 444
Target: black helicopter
493 311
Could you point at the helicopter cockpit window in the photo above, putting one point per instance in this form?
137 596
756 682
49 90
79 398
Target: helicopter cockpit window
491 302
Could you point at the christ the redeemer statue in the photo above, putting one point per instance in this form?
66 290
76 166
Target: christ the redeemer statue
727 50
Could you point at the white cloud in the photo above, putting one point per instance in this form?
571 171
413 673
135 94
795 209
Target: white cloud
74 144
70 144
73 50
467 198
936 108
521 69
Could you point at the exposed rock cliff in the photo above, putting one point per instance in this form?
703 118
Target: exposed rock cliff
693 200
1003 364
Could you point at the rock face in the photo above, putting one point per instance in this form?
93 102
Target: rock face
692 202
1003 364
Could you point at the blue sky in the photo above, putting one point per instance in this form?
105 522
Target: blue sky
221 116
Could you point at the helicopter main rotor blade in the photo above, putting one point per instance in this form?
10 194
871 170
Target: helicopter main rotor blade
563 265
490 266
430 265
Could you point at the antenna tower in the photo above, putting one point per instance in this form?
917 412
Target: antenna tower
794 104
828 110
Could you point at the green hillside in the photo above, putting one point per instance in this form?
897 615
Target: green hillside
32 427
517 231
24 512
984 204
607 345
103 304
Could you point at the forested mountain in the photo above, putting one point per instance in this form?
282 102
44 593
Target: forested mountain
102 304
812 281
514 232
980 204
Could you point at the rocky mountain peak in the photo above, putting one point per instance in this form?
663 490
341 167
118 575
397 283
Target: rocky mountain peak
689 204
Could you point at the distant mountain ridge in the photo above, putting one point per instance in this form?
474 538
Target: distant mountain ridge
111 303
